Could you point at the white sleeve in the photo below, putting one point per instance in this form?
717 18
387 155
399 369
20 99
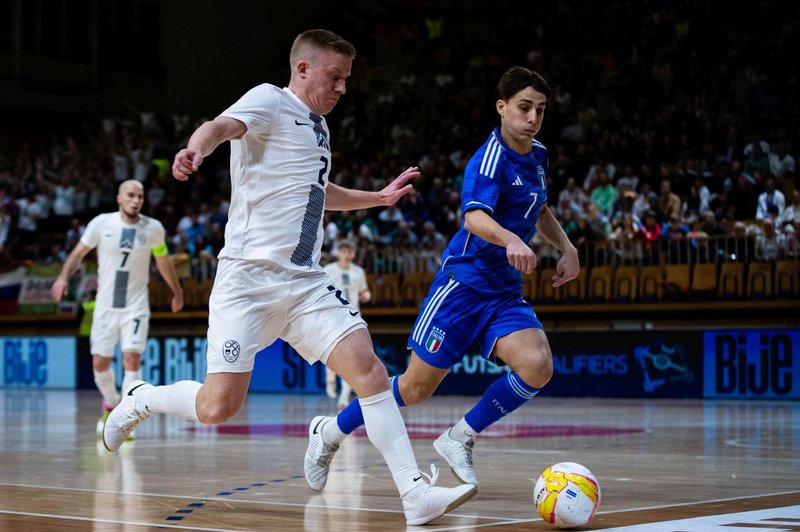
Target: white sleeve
256 109
157 234
90 237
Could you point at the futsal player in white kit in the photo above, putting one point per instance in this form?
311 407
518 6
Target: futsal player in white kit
269 283
124 241
352 281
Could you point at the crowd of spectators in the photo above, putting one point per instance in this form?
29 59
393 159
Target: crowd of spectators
655 132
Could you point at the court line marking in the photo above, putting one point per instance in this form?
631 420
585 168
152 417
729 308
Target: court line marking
741 442
498 520
121 522
195 498
610 512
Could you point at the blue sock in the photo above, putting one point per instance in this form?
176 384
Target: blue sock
394 381
351 417
502 397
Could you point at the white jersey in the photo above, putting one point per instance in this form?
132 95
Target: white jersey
351 281
279 171
123 257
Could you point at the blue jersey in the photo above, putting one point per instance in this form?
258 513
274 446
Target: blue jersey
511 188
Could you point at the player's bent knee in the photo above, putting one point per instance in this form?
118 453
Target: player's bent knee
370 382
213 409
215 414
536 371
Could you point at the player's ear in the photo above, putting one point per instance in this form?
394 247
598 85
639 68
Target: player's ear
302 68
500 105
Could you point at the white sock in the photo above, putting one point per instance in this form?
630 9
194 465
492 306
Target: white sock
129 377
179 399
331 433
462 432
106 383
387 432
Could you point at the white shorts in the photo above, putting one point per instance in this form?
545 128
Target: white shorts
129 328
253 303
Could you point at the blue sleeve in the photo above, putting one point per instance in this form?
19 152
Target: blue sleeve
480 191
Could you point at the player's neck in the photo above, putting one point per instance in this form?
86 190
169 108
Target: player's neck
127 218
345 265
523 147
301 95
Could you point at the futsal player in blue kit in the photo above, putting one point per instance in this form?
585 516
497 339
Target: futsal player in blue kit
476 296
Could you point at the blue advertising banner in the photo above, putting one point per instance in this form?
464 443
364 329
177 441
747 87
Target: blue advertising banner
752 364
168 359
279 368
591 364
165 360
685 364
38 361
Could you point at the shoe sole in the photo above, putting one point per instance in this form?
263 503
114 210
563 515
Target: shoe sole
449 508
104 437
444 456
310 434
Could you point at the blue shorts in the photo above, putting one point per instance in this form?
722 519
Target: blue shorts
453 316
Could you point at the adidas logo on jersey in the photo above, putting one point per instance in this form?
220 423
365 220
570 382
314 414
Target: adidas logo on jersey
517 182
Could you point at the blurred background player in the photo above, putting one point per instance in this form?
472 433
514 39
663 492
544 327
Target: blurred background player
352 281
124 240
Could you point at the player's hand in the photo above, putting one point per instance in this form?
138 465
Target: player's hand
59 288
399 187
177 302
186 163
567 268
521 256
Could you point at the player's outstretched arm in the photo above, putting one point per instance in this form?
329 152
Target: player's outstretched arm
568 265
74 260
346 199
167 270
203 142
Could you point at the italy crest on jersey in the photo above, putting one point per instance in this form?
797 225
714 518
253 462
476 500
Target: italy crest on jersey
435 339
542 178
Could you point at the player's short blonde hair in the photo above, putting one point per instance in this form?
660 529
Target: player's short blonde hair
320 39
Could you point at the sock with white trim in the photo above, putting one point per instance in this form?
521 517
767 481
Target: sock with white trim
502 397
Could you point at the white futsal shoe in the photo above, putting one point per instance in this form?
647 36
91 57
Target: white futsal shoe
317 462
436 501
124 418
458 456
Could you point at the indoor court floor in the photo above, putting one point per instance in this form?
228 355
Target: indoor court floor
663 466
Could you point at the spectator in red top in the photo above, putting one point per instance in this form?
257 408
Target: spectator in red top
650 232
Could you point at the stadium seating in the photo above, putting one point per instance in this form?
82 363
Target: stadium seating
704 280
731 281
759 280
787 279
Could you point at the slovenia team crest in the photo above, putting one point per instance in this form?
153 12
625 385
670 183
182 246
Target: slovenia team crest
231 350
435 339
